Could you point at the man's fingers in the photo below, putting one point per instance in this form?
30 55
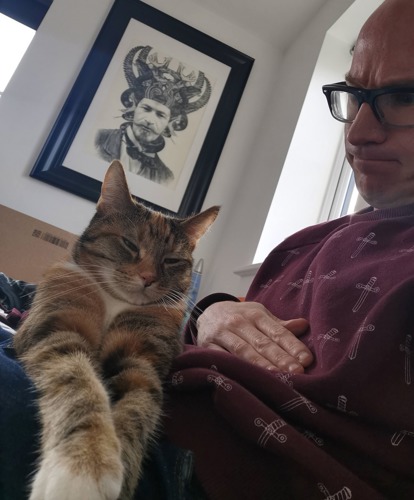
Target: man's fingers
259 350
297 326
295 347
283 337
249 331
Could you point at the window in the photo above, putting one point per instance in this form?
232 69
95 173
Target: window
342 197
27 12
346 200
315 183
15 37
18 22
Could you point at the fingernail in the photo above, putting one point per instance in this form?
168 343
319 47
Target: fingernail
294 367
303 357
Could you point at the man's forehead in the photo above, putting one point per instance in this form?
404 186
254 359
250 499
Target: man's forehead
151 103
391 81
391 21
384 54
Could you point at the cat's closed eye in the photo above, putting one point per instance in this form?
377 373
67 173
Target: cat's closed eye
131 246
172 260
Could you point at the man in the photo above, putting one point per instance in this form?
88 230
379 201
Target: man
331 416
157 103
271 416
135 144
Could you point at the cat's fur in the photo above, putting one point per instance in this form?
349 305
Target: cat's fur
100 338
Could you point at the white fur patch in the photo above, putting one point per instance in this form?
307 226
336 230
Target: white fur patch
55 481
113 307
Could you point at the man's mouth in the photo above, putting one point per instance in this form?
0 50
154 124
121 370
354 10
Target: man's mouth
145 128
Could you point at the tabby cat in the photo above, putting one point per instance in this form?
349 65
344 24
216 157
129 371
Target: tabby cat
99 340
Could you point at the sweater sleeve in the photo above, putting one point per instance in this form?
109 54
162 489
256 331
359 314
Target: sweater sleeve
190 330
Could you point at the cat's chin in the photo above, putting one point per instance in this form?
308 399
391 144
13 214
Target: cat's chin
142 301
137 297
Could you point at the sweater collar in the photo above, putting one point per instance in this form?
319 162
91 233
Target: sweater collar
383 213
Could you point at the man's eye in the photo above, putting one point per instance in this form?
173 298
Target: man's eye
131 246
402 99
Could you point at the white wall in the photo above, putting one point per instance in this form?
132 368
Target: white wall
307 178
253 156
31 102
250 205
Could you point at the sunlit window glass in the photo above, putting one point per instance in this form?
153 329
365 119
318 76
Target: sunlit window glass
14 40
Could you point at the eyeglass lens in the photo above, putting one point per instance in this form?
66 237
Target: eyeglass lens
394 108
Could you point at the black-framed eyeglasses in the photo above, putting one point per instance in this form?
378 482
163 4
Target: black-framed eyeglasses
393 106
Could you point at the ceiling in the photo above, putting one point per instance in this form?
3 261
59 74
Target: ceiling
275 21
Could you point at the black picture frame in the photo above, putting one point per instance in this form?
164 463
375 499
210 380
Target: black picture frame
49 166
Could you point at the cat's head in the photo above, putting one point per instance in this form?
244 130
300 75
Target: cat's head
138 255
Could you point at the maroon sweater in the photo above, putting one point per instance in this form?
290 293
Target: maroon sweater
343 429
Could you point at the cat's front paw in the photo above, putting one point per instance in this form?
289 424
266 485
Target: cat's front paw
56 480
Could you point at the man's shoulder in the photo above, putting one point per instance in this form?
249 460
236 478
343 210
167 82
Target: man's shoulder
108 143
314 234
105 133
163 172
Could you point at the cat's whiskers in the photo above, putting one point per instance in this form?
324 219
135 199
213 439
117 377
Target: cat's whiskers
175 299
97 280
194 310
40 301
72 289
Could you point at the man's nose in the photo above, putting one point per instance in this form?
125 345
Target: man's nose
366 127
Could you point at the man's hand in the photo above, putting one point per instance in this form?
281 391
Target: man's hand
251 332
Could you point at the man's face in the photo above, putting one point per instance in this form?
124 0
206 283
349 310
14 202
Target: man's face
150 119
382 157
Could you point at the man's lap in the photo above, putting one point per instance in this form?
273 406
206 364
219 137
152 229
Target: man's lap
19 430
167 473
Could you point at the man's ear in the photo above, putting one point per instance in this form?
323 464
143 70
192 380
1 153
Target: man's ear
132 98
167 132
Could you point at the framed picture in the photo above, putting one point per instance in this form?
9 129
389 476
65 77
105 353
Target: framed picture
156 94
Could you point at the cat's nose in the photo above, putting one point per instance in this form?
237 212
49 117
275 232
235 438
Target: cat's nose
148 278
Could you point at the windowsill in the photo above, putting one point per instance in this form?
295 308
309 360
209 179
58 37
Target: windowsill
247 270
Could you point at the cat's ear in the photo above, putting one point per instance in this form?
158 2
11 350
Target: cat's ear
197 225
115 195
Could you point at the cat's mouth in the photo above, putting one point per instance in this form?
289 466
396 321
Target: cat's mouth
140 295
